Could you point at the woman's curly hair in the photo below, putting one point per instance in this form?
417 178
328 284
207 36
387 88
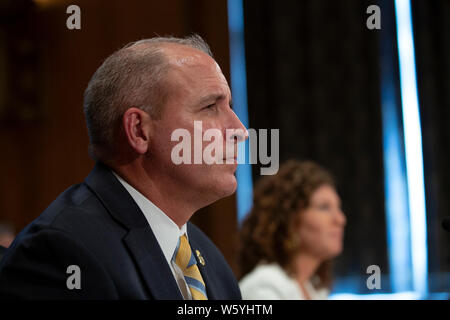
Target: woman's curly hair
268 234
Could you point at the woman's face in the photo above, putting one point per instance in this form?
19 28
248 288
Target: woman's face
321 225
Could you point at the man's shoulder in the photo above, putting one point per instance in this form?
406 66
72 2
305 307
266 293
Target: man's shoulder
70 210
78 214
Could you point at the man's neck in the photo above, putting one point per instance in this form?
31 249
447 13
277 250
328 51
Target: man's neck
158 190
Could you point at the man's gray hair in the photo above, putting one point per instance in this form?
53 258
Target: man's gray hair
133 76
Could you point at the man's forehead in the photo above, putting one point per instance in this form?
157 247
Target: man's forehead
185 57
179 54
189 65
192 62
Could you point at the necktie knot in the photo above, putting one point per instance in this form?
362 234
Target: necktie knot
185 260
183 254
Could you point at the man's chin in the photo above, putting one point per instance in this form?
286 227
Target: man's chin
226 187
218 193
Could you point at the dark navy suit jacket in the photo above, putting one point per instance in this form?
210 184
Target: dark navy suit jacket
97 226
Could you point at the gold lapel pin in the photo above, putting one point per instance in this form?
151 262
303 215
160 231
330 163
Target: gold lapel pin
200 258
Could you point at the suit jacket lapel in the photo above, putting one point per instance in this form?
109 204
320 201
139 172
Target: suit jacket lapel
140 239
152 264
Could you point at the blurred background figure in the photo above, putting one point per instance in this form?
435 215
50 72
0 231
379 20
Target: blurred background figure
7 234
292 233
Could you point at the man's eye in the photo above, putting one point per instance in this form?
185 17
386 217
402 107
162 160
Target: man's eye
211 107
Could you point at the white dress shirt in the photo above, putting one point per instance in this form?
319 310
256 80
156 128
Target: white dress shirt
165 230
271 282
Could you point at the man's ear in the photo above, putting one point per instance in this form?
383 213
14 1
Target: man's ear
137 127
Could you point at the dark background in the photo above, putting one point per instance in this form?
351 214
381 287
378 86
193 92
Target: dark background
313 71
432 31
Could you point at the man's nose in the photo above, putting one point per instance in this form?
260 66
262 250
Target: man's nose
239 132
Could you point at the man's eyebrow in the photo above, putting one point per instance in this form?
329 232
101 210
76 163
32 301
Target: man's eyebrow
213 98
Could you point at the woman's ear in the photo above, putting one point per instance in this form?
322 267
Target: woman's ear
137 127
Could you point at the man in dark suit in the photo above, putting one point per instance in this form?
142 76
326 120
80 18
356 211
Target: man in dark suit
121 234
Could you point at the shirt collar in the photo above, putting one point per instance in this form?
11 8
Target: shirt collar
165 230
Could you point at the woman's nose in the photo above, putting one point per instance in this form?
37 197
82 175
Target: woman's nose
340 218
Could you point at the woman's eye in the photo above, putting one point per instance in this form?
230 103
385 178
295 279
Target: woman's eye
323 207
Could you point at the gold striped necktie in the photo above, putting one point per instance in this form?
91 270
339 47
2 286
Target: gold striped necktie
185 259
